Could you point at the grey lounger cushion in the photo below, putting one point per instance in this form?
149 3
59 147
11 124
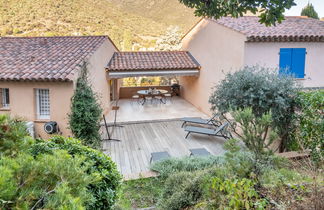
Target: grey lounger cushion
158 156
199 152
199 120
207 131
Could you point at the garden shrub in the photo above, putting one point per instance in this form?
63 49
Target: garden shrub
283 176
182 190
13 136
173 165
104 190
49 181
263 90
86 112
310 132
232 194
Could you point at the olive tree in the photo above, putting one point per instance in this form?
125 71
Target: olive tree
263 90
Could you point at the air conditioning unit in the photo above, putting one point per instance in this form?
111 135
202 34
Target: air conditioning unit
51 127
31 129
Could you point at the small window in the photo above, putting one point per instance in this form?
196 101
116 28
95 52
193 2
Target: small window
292 61
43 103
5 101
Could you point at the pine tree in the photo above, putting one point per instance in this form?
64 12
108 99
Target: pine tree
309 11
86 112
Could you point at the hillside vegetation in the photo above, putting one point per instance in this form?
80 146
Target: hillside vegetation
132 20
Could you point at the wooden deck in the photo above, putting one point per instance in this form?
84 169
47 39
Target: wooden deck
138 140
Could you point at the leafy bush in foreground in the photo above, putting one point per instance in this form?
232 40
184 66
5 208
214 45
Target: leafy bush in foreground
310 115
13 136
49 181
233 194
263 90
173 165
104 190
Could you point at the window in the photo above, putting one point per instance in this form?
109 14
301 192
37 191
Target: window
43 103
5 101
292 61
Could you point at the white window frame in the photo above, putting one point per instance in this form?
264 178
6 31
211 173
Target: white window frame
5 94
45 115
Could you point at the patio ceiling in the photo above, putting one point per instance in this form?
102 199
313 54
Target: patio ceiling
155 63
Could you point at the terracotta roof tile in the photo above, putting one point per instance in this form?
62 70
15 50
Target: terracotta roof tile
45 58
152 60
292 29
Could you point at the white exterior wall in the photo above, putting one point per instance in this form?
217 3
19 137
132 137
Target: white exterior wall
267 54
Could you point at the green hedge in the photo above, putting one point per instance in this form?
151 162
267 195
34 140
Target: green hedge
104 190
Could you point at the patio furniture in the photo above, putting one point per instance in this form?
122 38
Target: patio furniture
135 98
219 131
159 99
147 98
196 120
167 96
199 152
158 156
150 93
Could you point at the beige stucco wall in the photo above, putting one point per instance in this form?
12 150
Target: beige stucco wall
218 50
97 73
23 103
267 54
22 94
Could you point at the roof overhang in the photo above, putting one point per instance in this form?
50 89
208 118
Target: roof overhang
141 73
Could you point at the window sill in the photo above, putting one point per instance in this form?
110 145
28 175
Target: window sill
5 109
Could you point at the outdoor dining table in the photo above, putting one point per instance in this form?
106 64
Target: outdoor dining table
152 93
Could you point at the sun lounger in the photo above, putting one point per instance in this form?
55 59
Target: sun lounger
219 131
197 120
158 156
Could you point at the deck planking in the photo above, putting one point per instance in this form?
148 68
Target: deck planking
139 140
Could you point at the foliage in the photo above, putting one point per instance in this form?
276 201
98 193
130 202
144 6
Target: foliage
181 190
309 11
170 41
140 193
264 91
113 18
271 11
86 112
101 167
233 194
310 115
283 176
56 181
256 133
13 136
190 164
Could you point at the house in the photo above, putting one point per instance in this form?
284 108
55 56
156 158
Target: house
38 76
227 44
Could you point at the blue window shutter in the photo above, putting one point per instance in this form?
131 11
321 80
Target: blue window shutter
298 62
285 60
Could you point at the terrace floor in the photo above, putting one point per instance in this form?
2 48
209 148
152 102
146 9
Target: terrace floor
130 111
139 139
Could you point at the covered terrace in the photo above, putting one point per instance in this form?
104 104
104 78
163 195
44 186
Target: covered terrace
151 64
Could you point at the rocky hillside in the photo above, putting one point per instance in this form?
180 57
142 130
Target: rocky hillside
139 21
